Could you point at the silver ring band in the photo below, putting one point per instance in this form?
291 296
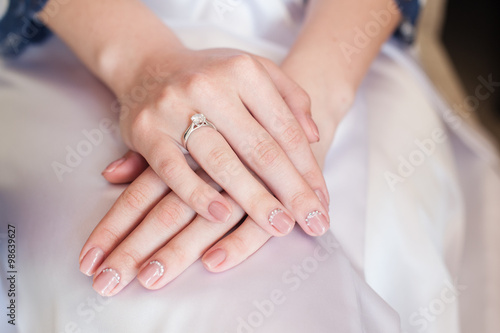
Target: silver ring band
198 120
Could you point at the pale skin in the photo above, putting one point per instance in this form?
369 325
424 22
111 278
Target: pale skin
156 209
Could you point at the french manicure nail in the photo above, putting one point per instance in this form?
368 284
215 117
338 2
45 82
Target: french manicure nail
106 282
314 127
317 222
151 273
91 261
281 221
219 211
114 165
323 200
214 258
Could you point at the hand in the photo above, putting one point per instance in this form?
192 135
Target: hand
129 240
252 104
162 237
171 237
161 84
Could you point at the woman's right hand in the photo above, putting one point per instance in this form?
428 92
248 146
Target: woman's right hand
160 239
259 113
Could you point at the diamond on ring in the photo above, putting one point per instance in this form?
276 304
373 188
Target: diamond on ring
198 120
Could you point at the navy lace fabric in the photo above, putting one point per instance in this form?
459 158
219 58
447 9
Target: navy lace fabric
20 28
410 10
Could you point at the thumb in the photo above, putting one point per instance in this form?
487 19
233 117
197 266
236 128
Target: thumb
125 169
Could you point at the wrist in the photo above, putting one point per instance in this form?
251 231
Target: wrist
147 63
331 91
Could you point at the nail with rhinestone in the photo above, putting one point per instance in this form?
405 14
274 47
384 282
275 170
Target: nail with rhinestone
281 221
317 222
151 273
106 282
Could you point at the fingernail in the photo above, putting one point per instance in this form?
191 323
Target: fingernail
214 258
91 261
219 211
151 273
106 282
281 221
114 165
313 126
317 222
323 200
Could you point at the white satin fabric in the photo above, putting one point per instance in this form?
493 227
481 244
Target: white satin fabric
419 254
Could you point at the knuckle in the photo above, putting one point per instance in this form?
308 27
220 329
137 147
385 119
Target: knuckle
178 251
136 198
292 137
141 124
312 175
130 257
199 82
219 158
266 153
199 196
167 98
110 234
170 169
244 62
169 216
256 200
238 244
167 93
299 199
242 59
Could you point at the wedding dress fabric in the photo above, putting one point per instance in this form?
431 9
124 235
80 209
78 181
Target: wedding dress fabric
414 210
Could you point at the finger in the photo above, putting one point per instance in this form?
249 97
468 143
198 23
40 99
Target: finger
264 156
236 247
162 223
276 118
125 169
299 103
176 256
169 163
125 214
280 121
296 98
165 220
219 161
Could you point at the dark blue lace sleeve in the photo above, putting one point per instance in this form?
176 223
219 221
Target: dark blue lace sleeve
410 10
19 26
